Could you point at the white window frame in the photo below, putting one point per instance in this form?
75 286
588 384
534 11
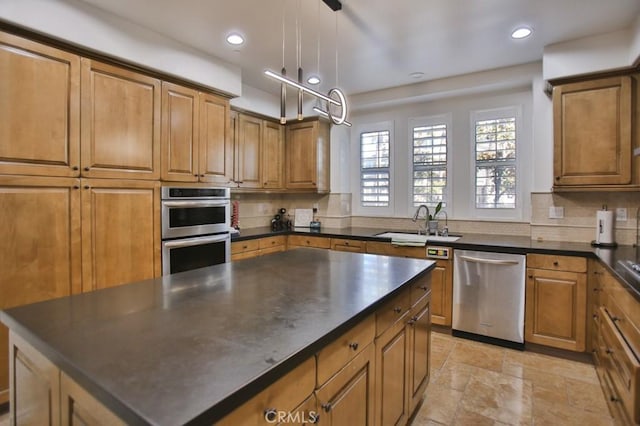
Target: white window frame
521 152
432 120
358 208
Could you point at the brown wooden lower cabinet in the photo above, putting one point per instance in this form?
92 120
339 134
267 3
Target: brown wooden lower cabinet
347 398
442 292
343 244
307 241
258 247
555 309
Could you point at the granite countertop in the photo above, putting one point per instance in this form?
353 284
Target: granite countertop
192 346
609 257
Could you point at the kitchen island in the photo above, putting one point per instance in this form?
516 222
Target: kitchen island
194 346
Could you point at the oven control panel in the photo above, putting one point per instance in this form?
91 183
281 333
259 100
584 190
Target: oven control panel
438 252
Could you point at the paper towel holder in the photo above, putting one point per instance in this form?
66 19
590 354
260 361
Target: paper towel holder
597 243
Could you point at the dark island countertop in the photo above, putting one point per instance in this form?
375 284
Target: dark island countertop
611 258
190 347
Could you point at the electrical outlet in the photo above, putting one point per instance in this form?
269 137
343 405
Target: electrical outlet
556 212
621 214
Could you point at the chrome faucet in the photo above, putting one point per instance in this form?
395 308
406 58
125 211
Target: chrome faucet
445 230
426 217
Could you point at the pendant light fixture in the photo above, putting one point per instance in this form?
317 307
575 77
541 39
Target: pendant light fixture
336 102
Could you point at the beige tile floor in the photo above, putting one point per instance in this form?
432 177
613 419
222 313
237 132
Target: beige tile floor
475 384
479 384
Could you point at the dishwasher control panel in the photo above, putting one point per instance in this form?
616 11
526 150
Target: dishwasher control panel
438 252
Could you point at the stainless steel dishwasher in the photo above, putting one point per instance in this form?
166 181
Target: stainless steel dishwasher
488 297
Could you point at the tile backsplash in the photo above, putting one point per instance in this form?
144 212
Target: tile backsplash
578 223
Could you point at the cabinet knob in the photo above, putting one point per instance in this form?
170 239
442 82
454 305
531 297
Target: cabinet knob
555 263
609 351
397 309
354 345
87 187
423 287
76 186
75 168
531 276
614 398
596 289
314 419
270 414
413 320
557 177
614 318
326 407
86 169
202 175
195 174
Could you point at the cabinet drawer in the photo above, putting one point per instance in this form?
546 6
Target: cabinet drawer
557 263
270 242
623 366
241 246
420 289
624 311
284 395
274 249
343 244
392 311
377 247
335 355
305 241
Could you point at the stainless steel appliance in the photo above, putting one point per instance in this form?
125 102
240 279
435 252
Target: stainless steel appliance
195 228
488 297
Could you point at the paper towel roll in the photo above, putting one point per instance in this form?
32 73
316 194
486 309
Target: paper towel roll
604 227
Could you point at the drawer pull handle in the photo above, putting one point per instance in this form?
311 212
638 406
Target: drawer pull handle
423 287
270 414
326 407
413 320
397 310
614 398
555 263
354 345
614 319
609 351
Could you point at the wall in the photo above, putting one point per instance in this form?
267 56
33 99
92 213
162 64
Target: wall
81 24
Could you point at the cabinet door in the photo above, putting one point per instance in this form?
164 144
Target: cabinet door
555 309
248 151
120 232
120 123
40 251
35 386
216 147
594 114
39 109
272 155
419 334
301 155
79 408
180 130
391 373
441 293
347 398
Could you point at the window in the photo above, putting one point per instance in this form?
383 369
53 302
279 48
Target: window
495 163
374 168
429 164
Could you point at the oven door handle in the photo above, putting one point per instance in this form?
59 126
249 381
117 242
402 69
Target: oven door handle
195 204
186 242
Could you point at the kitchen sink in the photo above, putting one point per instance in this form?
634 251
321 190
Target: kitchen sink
415 238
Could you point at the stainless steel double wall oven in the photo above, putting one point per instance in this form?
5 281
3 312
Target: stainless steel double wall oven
195 228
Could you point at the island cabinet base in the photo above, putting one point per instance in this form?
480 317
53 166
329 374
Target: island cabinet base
42 394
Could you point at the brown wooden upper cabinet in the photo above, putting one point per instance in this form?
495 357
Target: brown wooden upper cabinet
120 136
307 156
593 139
39 109
259 152
196 146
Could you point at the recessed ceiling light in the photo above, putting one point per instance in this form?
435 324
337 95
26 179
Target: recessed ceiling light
416 75
235 39
521 32
314 79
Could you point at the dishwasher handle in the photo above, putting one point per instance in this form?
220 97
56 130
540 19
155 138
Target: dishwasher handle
489 261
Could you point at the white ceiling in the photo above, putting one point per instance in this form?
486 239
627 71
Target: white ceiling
380 41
